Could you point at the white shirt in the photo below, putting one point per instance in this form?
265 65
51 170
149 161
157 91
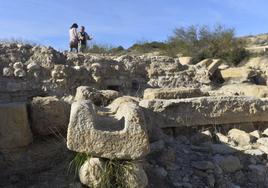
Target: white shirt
73 35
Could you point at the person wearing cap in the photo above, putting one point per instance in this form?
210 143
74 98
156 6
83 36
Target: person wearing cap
83 37
73 37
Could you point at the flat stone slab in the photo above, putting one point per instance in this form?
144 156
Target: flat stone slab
210 110
103 132
14 126
172 93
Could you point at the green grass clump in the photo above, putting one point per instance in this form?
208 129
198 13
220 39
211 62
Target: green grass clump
78 160
115 173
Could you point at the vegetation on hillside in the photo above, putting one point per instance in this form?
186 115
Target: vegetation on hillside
199 42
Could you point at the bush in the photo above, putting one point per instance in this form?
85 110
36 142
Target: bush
202 42
105 49
147 47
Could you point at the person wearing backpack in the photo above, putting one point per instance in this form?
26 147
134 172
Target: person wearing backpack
83 37
73 37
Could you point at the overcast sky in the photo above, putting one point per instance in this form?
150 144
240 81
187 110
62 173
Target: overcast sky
124 22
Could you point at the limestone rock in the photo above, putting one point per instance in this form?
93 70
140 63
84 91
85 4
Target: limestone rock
203 165
99 97
263 141
172 93
255 134
228 163
205 63
19 73
185 60
240 137
91 172
7 71
265 132
14 126
49 115
237 74
86 93
209 110
18 65
243 89
214 66
110 134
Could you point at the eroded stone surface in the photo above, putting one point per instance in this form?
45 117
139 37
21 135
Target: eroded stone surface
172 93
210 110
91 172
49 115
121 134
14 126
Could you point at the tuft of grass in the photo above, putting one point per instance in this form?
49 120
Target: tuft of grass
115 174
78 160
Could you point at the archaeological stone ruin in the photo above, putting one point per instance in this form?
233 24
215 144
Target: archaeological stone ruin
136 121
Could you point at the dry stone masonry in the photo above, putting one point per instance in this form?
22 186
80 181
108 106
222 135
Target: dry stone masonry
163 121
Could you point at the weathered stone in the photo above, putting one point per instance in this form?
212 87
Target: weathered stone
222 149
255 134
91 171
90 174
18 65
108 96
265 132
243 89
204 63
263 141
185 60
14 127
98 97
7 71
237 74
255 152
240 137
172 93
203 165
49 115
214 66
86 93
210 110
263 148
228 163
19 73
105 133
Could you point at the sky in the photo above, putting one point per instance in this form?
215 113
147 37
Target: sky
124 22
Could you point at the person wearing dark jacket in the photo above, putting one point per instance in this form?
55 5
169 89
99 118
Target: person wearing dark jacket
83 37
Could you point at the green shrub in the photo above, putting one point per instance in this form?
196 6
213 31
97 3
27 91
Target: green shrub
203 42
147 47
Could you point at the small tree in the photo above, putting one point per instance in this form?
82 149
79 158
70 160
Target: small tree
202 42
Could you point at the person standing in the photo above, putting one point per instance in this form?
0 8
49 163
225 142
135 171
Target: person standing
83 37
73 37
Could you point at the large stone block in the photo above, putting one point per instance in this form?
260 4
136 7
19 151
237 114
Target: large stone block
108 132
172 93
49 115
210 110
243 89
14 127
